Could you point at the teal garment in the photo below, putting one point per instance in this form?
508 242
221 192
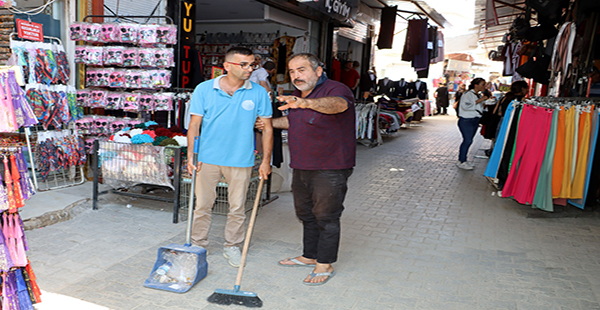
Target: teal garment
543 190
512 154
580 203
494 162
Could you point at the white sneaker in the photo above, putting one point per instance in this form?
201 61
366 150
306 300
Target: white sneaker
234 255
464 165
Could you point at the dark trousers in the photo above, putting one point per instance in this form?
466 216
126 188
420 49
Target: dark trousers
319 202
468 128
442 110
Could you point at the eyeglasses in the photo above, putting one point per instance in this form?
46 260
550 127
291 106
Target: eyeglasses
245 65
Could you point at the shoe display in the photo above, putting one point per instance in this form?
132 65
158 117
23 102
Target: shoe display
464 165
233 255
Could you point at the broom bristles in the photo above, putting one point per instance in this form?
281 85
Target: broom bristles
226 299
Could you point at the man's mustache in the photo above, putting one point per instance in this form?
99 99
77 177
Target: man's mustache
299 81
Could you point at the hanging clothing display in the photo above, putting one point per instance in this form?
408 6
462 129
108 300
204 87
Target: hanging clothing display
440 48
417 48
44 63
553 159
366 116
15 110
283 48
19 288
59 150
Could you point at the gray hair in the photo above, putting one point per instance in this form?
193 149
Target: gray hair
314 60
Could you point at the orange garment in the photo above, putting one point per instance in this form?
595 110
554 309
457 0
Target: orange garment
565 190
559 154
585 127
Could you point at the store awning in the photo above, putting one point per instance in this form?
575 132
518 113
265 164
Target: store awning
506 12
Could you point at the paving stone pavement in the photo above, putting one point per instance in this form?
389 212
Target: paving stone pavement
417 233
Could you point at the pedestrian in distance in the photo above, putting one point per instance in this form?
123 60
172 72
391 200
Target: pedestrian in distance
470 111
350 76
225 109
321 129
442 99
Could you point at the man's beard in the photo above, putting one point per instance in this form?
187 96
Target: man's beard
305 86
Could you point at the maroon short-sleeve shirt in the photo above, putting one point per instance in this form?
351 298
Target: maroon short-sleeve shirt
320 141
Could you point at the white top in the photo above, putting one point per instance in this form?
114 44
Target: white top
468 108
259 74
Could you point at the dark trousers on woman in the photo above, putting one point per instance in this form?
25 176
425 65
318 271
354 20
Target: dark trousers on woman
319 202
468 128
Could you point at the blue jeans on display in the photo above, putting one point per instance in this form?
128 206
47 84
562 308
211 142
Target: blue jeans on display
468 128
319 202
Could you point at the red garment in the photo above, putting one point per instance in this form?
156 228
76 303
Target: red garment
336 70
349 78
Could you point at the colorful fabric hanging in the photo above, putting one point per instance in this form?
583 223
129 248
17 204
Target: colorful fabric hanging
16 175
9 187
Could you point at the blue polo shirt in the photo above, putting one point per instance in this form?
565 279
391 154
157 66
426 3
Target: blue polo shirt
227 131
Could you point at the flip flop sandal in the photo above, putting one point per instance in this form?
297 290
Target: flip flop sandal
329 275
296 262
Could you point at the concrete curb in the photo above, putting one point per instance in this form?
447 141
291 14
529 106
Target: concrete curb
54 217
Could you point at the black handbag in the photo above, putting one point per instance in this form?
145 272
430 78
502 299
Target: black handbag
536 67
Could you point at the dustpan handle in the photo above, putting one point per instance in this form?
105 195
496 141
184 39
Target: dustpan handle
238 280
188 233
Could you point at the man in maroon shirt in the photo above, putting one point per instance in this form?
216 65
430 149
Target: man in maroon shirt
321 132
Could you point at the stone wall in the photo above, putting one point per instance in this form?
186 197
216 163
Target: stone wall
7 26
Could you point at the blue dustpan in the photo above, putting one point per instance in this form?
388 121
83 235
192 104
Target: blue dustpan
199 253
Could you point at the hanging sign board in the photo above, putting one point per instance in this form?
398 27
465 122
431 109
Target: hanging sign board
458 65
30 31
186 42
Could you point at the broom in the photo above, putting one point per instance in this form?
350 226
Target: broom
236 296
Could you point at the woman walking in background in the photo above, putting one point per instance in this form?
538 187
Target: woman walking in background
470 111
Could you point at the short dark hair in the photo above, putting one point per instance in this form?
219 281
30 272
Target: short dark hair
314 60
476 81
240 50
269 65
516 86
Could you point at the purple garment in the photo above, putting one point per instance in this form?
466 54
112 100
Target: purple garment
10 294
26 184
20 104
20 224
320 141
5 261
421 60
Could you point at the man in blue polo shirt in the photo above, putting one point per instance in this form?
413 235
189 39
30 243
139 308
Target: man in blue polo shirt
226 109
321 133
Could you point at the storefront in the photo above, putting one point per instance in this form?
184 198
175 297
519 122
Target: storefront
558 56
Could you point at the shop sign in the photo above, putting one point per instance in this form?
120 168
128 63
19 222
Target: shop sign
186 41
458 65
30 31
338 9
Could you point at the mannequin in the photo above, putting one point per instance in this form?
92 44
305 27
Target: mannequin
400 89
384 87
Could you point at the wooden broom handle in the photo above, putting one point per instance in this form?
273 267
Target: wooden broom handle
238 280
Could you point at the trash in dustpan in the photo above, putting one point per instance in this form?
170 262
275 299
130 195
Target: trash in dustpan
178 268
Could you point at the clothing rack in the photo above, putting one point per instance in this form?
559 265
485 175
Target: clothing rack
45 37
